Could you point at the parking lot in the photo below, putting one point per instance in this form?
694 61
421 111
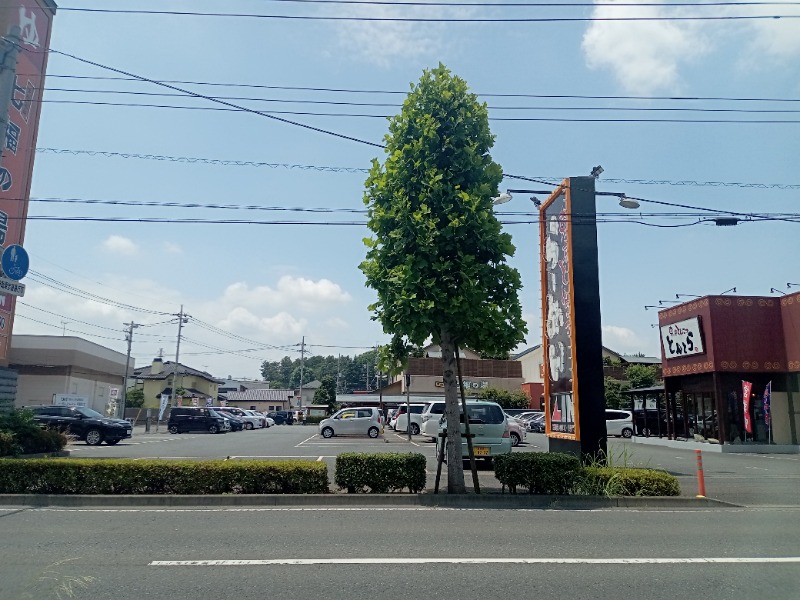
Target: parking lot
744 479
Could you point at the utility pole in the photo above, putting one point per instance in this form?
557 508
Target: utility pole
182 318
302 366
129 339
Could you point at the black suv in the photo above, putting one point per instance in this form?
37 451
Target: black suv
195 419
85 423
281 417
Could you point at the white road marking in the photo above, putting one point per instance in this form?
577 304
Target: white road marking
305 440
477 561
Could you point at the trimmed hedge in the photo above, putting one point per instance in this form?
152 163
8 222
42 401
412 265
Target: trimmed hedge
626 481
538 472
314 420
562 474
88 476
380 473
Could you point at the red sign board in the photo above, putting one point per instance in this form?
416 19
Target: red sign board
31 22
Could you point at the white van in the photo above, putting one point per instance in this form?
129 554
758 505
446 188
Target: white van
619 422
401 423
430 419
489 425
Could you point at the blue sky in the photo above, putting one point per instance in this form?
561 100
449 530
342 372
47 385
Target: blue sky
270 285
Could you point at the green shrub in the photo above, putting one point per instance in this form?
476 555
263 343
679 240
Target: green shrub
22 435
538 472
380 473
87 476
315 420
626 481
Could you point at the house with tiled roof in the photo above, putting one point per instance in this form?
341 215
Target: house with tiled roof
194 387
264 400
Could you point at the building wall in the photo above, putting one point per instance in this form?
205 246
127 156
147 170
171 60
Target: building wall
427 384
790 312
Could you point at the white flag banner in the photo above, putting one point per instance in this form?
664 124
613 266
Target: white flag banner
164 402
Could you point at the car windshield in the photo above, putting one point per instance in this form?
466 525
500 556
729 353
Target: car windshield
88 412
214 413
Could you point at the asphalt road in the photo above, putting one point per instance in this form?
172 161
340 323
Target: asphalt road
748 480
720 553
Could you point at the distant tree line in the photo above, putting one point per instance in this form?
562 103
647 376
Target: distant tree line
354 372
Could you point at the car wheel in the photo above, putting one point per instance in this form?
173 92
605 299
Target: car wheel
112 442
327 432
250 426
627 432
515 439
646 432
213 429
414 429
94 437
173 429
373 432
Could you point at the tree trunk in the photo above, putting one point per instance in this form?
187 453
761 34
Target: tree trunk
455 465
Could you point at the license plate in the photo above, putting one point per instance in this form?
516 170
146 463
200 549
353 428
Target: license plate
481 451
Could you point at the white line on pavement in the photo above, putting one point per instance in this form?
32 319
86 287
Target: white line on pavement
477 561
305 440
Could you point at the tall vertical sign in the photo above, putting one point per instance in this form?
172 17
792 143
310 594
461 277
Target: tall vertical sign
25 27
572 344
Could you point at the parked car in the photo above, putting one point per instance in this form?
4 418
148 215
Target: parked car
517 430
268 421
248 421
85 423
619 422
489 425
536 423
236 422
352 421
281 417
401 421
261 420
185 418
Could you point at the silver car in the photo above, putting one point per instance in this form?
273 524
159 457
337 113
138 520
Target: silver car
352 421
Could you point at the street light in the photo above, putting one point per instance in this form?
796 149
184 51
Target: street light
687 296
626 202
502 198
773 290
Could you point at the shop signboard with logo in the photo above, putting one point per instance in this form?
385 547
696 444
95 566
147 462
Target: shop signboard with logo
25 26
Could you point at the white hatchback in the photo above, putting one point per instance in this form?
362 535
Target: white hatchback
352 421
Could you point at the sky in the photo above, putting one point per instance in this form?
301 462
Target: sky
255 289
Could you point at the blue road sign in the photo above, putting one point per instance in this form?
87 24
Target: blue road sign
15 262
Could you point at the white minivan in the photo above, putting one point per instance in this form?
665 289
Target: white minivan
619 422
401 421
488 423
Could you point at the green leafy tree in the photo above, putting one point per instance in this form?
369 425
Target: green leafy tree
437 259
134 398
505 398
641 376
614 393
326 393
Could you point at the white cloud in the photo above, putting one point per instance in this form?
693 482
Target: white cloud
118 244
173 248
622 339
291 292
385 42
279 326
337 323
776 38
644 56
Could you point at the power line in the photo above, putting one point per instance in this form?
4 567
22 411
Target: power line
272 113
334 169
399 105
405 93
428 19
211 99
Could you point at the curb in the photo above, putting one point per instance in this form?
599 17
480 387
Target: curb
465 501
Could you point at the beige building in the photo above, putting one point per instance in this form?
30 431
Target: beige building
194 387
48 365
263 400
423 376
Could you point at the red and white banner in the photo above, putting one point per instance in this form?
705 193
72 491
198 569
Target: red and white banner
747 388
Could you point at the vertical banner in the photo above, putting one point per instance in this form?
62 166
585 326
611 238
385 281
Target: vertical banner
25 27
747 388
555 232
163 407
766 401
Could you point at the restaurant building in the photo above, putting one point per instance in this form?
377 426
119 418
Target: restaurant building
731 370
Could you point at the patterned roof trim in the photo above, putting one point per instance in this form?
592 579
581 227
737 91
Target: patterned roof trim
260 395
